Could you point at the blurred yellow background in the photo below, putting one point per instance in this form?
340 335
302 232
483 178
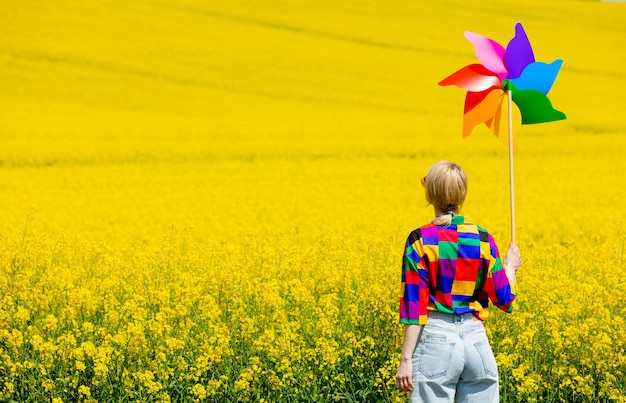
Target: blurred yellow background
119 120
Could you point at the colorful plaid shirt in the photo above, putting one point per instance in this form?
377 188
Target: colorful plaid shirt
453 269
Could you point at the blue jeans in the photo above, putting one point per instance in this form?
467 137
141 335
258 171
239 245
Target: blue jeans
453 360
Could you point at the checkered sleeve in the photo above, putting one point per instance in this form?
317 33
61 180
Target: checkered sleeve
497 285
414 294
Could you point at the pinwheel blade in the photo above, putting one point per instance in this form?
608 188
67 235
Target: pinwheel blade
534 106
481 111
474 77
489 53
538 76
472 99
519 53
499 125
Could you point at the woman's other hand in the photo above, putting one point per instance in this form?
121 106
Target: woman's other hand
404 376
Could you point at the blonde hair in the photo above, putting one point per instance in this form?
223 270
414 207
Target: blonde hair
446 188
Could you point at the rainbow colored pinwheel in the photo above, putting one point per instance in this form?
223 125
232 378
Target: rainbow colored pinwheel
513 68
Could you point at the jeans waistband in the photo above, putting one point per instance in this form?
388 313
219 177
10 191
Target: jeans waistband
452 317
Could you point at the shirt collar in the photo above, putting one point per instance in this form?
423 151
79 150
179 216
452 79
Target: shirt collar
458 219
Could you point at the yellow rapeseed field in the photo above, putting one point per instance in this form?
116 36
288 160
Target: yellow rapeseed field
208 201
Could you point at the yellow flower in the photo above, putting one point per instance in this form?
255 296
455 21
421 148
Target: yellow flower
22 314
50 322
84 391
198 392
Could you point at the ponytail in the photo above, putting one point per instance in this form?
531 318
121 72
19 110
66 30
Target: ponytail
446 219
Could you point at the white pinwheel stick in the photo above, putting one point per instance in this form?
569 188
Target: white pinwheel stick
512 193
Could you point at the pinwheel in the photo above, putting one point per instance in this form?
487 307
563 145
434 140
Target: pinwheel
508 75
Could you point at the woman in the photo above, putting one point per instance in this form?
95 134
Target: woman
450 270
